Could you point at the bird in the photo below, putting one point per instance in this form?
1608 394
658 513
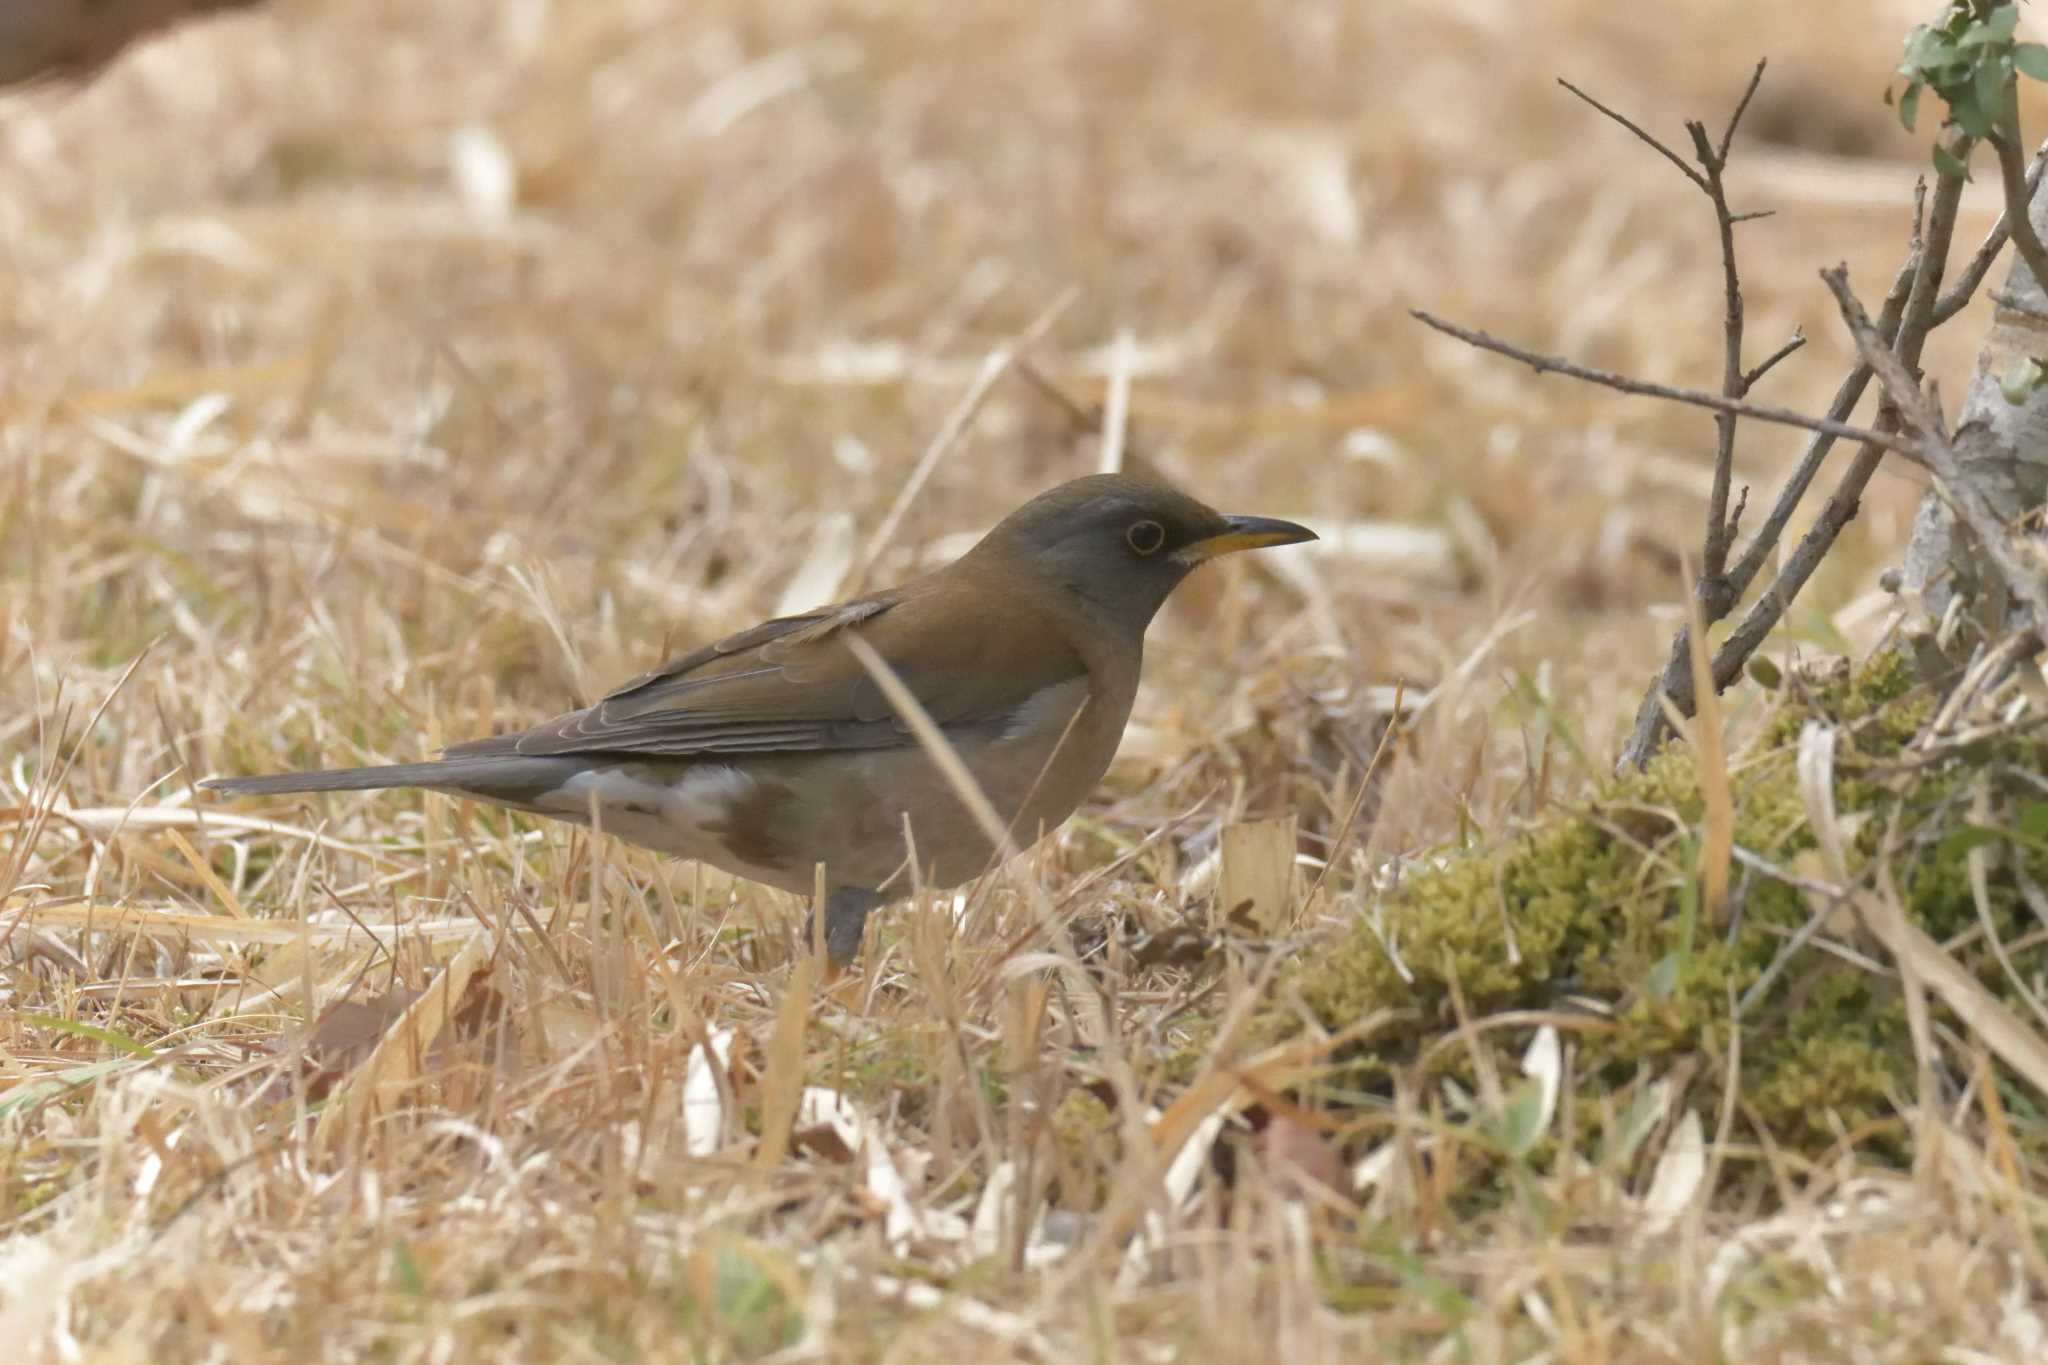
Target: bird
775 750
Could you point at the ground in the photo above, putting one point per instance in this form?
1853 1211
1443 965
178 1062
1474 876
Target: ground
378 375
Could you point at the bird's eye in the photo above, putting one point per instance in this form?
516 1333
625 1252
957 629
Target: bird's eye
1145 537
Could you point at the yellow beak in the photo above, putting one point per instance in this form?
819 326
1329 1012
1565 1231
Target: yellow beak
1244 533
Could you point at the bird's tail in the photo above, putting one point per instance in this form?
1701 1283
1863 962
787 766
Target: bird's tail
511 779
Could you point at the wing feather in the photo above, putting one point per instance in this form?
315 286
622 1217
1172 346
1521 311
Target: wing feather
790 685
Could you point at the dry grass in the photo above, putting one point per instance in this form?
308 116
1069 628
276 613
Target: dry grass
380 374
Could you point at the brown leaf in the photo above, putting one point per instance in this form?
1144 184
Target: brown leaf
1298 1157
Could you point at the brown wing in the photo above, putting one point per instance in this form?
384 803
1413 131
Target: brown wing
790 683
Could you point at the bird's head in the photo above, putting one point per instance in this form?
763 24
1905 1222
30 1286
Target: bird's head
1122 544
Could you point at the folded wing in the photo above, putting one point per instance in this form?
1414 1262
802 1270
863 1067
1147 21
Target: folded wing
791 685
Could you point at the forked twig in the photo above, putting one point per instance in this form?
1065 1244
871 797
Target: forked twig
1713 591
1700 398
1913 308
1922 416
1972 275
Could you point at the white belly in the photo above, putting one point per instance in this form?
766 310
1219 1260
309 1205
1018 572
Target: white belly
636 803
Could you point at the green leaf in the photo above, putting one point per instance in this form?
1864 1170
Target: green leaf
1926 50
1949 167
405 1271
1997 29
2033 820
1960 840
2031 59
1520 1124
1909 104
2020 380
1970 114
1638 1121
92 1031
1908 66
31 1093
1766 673
1663 977
1990 87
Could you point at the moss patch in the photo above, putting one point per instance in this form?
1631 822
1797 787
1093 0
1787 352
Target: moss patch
1593 914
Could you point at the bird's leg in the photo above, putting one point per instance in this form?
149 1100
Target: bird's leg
846 915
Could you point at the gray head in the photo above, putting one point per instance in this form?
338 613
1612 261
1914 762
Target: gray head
1122 544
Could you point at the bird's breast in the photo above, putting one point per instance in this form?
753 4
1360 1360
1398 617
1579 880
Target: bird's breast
772 817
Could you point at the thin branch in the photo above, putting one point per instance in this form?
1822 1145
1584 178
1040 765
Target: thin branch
1918 319
1712 588
1905 321
2012 175
1847 395
1756 78
1625 121
1972 275
1699 398
1917 282
1914 306
1770 362
1923 417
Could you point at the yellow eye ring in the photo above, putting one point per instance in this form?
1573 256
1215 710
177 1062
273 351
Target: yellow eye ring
1145 537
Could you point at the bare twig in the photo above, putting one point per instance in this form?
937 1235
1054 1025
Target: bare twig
1756 78
1972 275
2012 177
1721 586
1847 395
1906 319
1712 590
1914 307
1922 416
1648 139
1699 398
1770 362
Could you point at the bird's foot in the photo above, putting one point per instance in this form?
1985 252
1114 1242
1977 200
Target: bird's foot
845 913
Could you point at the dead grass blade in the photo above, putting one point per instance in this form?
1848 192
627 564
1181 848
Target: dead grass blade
398 1060
1717 831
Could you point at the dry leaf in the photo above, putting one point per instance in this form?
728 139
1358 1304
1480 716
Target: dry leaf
703 1102
1298 1156
1257 870
1677 1178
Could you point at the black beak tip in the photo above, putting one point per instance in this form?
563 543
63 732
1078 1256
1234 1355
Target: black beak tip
1269 531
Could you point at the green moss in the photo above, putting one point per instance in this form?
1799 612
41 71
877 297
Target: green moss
1588 913
1087 1144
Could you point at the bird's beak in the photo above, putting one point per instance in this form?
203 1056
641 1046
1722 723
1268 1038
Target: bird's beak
1243 533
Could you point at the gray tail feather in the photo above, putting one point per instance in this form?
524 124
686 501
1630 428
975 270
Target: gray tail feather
508 778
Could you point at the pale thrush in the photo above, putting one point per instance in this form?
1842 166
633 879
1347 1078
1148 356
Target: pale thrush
775 750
